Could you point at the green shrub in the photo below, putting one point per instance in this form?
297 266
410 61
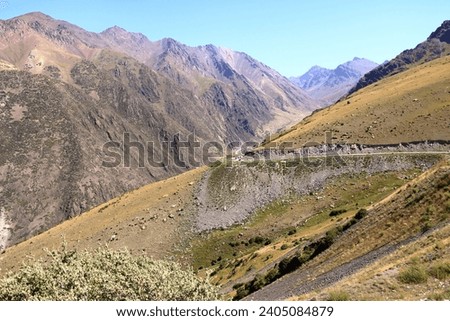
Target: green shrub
349 224
361 214
259 240
103 275
338 296
271 276
237 286
234 244
426 227
288 265
241 293
292 232
445 295
337 212
414 274
440 271
256 284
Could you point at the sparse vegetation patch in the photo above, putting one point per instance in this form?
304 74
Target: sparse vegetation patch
415 274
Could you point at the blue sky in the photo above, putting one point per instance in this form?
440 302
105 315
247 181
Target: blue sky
288 35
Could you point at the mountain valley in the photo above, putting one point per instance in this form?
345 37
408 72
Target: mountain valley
66 92
349 201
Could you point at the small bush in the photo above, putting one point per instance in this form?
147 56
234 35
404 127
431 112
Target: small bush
234 244
440 271
284 247
361 214
292 232
241 292
349 224
103 275
289 265
259 240
237 286
415 274
338 296
256 284
271 276
445 295
337 212
426 227
215 164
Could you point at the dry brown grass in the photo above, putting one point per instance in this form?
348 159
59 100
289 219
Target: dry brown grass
380 280
411 106
390 221
126 221
309 215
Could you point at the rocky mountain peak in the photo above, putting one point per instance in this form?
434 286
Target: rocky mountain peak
442 33
317 68
114 30
120 34
35 16
170 43
328 85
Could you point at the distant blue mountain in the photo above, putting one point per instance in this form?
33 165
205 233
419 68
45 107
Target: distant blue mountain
329 85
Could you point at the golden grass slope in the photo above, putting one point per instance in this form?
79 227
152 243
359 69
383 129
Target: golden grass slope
146 221
410 106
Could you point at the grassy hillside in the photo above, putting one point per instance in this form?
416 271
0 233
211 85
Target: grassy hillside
152 220
410 106
415 271
161 220
276 230
405 232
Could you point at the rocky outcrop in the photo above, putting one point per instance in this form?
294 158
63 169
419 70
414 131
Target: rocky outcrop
436 46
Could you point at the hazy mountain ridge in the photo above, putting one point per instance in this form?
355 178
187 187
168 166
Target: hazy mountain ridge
313 78
329 85
437 45
194 68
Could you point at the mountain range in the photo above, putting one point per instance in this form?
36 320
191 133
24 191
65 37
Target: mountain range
65 92
329 85
350 203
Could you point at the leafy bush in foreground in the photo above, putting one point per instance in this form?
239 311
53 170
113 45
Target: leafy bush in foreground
103 275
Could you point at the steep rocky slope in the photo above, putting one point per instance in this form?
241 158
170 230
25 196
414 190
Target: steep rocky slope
37 42
66 92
